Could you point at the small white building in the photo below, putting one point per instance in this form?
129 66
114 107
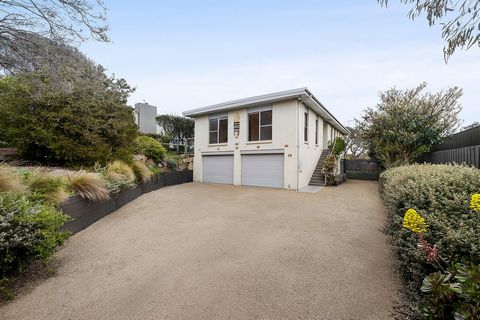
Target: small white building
272 140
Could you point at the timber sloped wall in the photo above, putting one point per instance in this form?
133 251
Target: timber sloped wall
84 212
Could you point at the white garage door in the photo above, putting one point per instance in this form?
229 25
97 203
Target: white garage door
218 169
264 170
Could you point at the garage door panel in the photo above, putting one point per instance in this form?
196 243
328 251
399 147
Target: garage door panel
218 169
264 170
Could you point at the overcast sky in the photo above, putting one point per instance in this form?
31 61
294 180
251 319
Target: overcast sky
186 54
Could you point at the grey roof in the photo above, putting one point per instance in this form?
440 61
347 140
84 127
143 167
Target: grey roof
303 94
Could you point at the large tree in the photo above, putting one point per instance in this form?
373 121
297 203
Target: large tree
176 126
354 145
460 20
30 29
406 123
68 113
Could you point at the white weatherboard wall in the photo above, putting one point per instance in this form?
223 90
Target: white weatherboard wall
309 151
300 157
284 140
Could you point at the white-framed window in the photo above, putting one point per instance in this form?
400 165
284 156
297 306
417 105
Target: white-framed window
260 125
316 131
305 133
218 129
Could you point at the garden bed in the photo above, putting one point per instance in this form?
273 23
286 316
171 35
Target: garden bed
84 212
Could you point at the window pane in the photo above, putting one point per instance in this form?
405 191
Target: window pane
213 124
213 137
306 134
266 117
223 131
266 133
253 127
316 131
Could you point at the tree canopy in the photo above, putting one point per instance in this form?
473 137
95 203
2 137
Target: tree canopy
406 123
176 126
460 20
71 113
30 29
354 145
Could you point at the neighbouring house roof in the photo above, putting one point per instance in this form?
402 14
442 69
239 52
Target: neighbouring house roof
303 94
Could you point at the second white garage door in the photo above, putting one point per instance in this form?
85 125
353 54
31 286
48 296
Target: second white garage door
263 170
218 169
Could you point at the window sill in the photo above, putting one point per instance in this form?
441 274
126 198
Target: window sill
217 144
259 142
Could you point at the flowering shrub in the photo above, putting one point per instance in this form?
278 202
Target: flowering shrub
413 221
28 231
475 202
441 230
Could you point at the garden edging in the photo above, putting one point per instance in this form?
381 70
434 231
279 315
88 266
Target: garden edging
85 212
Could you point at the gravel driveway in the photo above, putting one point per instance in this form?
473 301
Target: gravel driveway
199 251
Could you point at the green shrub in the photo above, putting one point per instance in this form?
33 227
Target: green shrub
171 164
338 146
150 148
29 231
67 115
441 194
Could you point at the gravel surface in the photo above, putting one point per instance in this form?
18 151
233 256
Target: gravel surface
200 251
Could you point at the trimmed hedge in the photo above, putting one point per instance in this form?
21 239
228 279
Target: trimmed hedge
441 194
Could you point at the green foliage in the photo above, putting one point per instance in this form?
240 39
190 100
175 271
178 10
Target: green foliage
70 114
406 123
150 148
338 146
441 194
459 21
452 293
162 138
29 230
116 175
176 126
171 164
329 166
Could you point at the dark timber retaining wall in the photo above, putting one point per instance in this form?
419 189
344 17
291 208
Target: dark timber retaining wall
84 212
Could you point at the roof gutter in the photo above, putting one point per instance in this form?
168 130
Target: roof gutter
316 104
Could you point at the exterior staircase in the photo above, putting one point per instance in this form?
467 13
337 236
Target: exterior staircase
318 178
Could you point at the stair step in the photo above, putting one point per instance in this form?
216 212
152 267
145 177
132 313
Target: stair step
316 184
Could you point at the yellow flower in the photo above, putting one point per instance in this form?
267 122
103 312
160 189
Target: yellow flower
475 202
413 221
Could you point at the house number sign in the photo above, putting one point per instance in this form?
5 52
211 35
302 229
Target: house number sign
236 128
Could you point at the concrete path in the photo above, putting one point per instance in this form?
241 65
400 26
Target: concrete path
199 251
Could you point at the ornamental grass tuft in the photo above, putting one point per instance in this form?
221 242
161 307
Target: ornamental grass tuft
88 185
142 172
9 181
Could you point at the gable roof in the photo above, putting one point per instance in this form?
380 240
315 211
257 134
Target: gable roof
302 94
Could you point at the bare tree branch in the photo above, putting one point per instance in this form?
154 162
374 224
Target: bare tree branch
460 20
26 26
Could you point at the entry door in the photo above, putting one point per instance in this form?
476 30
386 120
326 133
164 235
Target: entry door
218 169
263 170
